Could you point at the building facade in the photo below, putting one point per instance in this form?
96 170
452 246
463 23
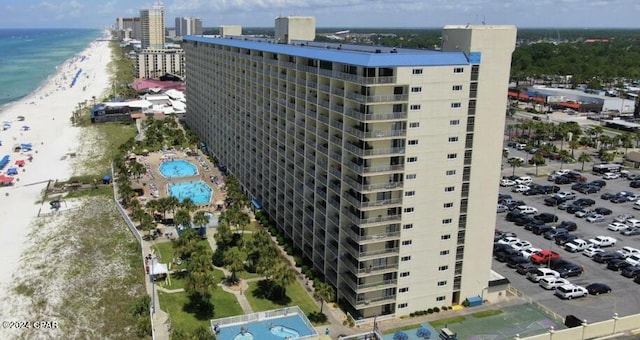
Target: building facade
230 30
129 28
295 28
375 163
152 24
152 63
188 26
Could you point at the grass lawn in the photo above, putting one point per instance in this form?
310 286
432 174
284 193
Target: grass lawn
404 328
486 313
295 294
247 275
224 304
440 323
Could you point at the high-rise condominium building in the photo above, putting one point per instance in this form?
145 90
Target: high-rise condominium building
152 22
295 28
156 63
378 165
188 26
129 27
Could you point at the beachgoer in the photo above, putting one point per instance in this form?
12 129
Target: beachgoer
271 325
326 331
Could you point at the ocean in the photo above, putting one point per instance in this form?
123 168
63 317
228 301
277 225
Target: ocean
30 56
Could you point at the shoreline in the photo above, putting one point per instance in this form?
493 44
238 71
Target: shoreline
47 112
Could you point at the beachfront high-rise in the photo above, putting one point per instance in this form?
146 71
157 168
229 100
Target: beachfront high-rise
188 26
152 23
129 28
295 28
379 165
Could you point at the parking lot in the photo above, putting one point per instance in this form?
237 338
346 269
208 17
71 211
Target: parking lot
624 299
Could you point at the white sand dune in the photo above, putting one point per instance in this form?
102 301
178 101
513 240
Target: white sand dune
47 113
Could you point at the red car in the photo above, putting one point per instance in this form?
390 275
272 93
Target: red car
544 256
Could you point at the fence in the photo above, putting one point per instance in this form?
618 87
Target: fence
370 335
513 291
260 316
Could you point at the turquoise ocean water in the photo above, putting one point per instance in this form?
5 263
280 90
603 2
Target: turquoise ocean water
30 56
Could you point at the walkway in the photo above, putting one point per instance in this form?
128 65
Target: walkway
161 322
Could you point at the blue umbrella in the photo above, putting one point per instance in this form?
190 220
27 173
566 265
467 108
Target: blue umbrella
423 332
401 336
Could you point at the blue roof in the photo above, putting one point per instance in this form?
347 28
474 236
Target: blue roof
365 56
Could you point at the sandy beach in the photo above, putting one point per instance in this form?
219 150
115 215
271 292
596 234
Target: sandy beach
47 115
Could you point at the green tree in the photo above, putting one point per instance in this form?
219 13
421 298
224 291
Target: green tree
200 280
324 292
137 169
147 223
573 145
234 259
564 157
282 275
538 160
515 162
584 157
223 235
188 205
200 218
182 217
607 157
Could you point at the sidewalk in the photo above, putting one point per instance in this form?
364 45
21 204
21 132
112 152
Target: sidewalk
160 319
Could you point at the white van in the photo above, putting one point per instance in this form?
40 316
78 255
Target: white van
538 274
520 146
633 222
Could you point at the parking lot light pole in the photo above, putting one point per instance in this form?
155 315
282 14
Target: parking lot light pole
615 321
584 326
551 332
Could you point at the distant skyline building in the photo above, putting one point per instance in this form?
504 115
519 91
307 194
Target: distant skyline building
188 26
129 28
379 166
155 63
295 28
230 30
153 28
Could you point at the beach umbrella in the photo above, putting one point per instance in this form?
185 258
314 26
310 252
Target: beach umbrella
400 336
423 332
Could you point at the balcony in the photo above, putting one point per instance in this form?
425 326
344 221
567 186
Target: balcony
371 204
370 270
360 79
378 134
372 187
372 238
364 169
377 99
369 302
369 286
364 255
360 152
371 220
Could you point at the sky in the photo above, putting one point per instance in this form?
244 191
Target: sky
331 13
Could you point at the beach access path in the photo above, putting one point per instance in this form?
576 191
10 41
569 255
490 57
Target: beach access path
47 114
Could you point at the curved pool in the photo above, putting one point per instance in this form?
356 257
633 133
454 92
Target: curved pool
199 192
178 168
284 332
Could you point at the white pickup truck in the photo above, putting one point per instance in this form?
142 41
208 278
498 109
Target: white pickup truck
577 245
603 241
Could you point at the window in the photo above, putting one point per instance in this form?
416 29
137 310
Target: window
442 283
448 205
406 243
454 122
456 105
416 89
410 193
417 71
404 274
405 258
403 290
445 237
414 124
446 221
457 88
408 210
413 142
451 172
453 139
443 268
449 189
458 70
444 252
412 159
415 107
408 226
452 156
440 298
403 305
410 176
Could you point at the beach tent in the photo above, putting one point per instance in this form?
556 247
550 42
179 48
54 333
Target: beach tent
20 162
12 171
4 161
25 128
20 118
5 180
106 179
17 147
423 333
26 146
400 336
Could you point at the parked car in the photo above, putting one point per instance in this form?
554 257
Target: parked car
547 217
498 235
610 175
565 205
552 233
633 177
584 212
628 251
525 209
566 195
635 184
603 211
509 240
544 256
520 188
572 209
512 215
630 271
633 260
589 189
598 182
619 199
549 189
630 231
616 226
553 201
603 241
622 218
592 251
526 180
538 274
569 270
606 256
502 208
577 245
617 264
533 191
561 240
562 180
521 245
513 261
507 182
524 268
598 288
636 205
540 229
569 225
595 218
607 196
584 202
570 291
526 253
553 282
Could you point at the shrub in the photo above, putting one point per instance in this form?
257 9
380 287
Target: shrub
465 303
436 310
430 310
412 314
317 317
444 307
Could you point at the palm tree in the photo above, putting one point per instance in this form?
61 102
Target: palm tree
597 131
607 157
200 218
182 217
538 160
223 235
234 259
584 157
137 169
573 145
147 223
564 157
515 162
283 275
188 205
324 292
135 205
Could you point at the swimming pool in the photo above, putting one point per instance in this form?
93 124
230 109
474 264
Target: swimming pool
291 327
178 168
199 191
